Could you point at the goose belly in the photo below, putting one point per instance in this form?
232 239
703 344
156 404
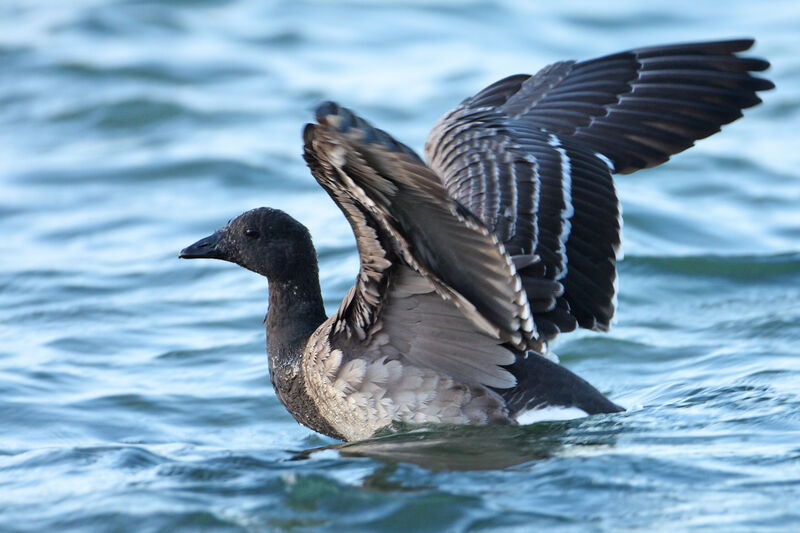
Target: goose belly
361 395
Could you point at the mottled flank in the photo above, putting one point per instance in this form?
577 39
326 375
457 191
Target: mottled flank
364 394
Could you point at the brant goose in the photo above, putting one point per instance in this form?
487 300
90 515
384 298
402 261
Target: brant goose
473 261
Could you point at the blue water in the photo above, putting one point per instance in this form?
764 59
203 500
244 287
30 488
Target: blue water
133 386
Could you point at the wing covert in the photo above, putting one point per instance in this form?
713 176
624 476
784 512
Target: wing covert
532 157
384 187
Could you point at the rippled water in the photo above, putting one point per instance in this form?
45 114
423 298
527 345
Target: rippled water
133 386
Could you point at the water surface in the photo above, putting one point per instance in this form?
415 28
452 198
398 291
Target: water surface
133 386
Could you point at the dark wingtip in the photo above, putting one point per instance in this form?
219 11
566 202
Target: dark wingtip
741 44
332 114
764 84
756 64
325 109
724 47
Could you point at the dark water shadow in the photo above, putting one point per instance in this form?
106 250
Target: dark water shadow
464 448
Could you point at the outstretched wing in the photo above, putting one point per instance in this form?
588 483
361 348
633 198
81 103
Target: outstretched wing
411 233
532 157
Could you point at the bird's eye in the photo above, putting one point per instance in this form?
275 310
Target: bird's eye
252 233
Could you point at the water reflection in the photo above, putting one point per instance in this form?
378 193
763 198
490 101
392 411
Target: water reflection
463 448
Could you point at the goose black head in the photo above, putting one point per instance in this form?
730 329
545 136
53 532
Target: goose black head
264 240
